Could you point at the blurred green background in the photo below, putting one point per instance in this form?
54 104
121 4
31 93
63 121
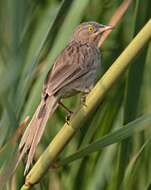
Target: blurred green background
32 33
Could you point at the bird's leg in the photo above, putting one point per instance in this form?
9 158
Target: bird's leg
69 112
65 108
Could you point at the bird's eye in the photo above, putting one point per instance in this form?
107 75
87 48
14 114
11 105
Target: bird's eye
90 29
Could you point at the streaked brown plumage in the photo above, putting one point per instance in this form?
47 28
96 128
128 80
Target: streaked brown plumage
74 71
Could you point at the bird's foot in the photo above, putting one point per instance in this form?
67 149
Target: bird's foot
83 100
68 117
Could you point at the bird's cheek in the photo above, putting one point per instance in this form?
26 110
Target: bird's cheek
96 38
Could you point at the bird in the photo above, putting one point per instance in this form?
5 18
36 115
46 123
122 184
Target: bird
74 71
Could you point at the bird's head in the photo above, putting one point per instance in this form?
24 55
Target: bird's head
89 32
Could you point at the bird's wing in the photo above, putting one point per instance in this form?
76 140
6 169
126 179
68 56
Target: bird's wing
74 62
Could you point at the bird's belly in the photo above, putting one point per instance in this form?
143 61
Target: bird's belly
82 84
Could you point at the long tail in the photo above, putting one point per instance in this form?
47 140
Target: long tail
35 129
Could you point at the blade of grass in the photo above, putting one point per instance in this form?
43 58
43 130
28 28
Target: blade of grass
132 166
128 130
7 159
133 89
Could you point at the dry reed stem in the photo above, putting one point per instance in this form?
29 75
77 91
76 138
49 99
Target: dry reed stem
115 19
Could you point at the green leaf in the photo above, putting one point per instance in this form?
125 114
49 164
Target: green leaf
132 166
124 132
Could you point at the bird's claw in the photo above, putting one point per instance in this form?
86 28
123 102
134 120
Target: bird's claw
68 118
83 100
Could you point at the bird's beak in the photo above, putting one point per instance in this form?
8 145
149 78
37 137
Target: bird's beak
104 28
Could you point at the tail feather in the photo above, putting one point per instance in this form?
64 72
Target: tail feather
28 132
35 129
